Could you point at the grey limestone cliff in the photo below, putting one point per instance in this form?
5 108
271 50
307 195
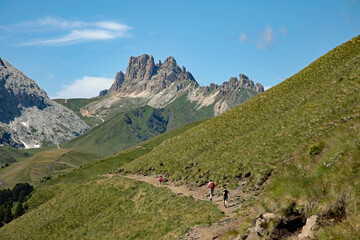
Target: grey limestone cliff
28 117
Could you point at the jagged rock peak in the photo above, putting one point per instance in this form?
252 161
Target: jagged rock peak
2 63
243 82
170 59
142 74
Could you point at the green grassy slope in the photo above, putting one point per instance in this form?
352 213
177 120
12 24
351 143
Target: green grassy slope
76 104
114 208
10 155
130 128
266 130
109 164
122 131
182 112
51 162
277 133
82 204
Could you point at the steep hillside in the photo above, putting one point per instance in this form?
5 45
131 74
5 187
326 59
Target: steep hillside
29 118
294 151
269 128
122 131
270 135
113 208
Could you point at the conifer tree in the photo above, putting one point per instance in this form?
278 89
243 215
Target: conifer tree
8 217
1 215
22 196
19 210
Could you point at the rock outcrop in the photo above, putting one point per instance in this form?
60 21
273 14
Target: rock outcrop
160 84
29 118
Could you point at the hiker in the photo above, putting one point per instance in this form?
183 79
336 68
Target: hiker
160 180
211 186
225 196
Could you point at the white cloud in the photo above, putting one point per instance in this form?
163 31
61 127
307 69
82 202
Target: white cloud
265 38
86 87
76 36
57 22
64 32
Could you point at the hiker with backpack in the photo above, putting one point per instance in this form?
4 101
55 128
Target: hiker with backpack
225 196
211 186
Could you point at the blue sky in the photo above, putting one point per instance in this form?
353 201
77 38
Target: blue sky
74 48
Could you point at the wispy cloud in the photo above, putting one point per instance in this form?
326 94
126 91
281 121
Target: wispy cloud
86 87
54 31
264 38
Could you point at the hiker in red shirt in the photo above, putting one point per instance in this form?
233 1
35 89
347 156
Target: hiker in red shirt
211 186
160 180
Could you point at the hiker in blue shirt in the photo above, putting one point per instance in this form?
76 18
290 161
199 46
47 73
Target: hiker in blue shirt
226 196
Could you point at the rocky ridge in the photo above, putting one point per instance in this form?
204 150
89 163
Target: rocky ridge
29 118
158 85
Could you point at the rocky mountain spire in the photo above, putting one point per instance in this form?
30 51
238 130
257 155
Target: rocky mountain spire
158 85
142 74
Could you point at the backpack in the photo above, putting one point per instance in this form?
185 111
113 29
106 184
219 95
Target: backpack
212 185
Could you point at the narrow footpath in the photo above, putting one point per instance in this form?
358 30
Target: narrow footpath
215 231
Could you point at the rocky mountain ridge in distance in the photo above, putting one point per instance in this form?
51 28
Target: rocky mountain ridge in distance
29 118
158 85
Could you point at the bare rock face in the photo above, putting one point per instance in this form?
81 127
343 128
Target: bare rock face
143 75
29 118
160 84
308 231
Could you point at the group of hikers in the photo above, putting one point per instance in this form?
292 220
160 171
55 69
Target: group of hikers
225 193
211 186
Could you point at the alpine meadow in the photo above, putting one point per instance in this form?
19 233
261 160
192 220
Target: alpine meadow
256 137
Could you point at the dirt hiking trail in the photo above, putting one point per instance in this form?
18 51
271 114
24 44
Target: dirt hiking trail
215 231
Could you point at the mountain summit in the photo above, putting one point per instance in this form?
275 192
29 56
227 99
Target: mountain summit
29 118
143 75
159 85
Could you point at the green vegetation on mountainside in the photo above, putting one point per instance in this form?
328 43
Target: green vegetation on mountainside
266 130
272 134
48 163
182 112
76 104
109 164
326 183
82 204
122 131
10 155
109 208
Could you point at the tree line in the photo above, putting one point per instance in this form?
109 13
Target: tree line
20 193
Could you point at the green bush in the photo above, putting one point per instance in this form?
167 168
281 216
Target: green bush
316 149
